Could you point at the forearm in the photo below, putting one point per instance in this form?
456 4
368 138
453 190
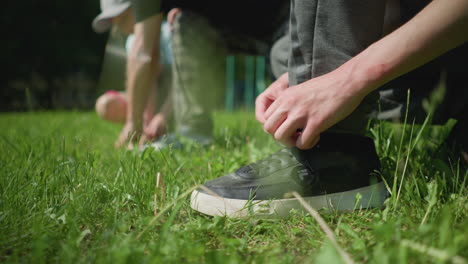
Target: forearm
139 78
439 27
151 105
142 65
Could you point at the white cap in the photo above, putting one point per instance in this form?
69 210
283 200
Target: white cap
110 9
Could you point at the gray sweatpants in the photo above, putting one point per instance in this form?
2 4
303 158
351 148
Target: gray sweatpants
326 33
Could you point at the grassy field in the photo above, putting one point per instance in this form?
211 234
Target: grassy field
68 196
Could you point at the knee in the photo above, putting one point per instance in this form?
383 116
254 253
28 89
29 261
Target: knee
279 56
111 106
173 16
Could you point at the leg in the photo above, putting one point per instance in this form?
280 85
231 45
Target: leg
279 56
198 68
324 35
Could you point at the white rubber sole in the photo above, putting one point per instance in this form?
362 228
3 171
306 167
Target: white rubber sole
372 196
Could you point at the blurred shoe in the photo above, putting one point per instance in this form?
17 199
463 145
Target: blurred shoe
165 142
174 141
393 106
389 109
338 173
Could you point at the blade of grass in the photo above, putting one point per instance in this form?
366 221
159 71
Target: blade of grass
156 217
326 229
433 252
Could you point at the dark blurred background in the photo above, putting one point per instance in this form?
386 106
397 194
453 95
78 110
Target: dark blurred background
51 58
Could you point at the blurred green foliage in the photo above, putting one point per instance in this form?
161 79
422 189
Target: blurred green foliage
51 55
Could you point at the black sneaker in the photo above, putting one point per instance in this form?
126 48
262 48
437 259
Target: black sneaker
338 173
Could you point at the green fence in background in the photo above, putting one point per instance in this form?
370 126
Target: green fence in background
244 84
246 75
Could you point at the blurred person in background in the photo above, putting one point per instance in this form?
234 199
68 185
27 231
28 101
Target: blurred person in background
203 33
113 105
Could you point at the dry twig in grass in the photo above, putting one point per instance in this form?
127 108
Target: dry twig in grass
323 225
159 185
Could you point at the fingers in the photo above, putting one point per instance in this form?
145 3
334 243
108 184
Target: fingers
123 142
143 140
171 15
130 146
118 144
265 99
312 143
156 128
284 78
309 136
261 105
272 123
126 138
155 133
150 132
271 109
287 132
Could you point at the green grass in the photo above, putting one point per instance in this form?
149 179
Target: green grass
68 196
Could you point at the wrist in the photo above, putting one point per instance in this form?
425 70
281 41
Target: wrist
364 75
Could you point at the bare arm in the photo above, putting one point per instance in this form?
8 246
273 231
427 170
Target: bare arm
142 65
319 103
157 126
438 28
